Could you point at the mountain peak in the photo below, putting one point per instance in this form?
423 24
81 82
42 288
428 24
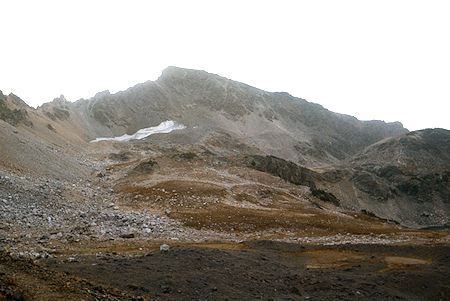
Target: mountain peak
178 73
102 94
61 99
174 70
17 101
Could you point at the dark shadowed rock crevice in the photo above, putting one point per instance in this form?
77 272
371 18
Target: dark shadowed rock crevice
286 170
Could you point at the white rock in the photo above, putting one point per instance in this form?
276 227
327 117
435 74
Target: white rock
164 248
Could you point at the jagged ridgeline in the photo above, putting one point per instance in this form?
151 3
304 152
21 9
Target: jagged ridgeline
12 110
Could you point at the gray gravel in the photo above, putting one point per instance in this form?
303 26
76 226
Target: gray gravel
37 211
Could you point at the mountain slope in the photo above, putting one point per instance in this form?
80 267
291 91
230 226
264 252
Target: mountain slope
32 143
403 178
276 123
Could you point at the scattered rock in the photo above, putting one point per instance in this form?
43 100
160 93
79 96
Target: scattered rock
164 248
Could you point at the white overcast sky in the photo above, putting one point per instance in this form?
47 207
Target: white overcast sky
386 60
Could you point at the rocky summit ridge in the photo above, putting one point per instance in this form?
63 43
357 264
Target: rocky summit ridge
277 123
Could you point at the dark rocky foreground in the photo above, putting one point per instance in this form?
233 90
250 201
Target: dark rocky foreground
268 270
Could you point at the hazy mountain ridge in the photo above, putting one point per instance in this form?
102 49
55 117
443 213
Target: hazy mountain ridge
276 123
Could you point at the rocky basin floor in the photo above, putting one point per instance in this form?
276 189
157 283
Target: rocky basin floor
264 270
75 241
253 270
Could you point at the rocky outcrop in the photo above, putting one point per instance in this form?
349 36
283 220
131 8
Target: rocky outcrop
291 173
286 170
13 110
403 178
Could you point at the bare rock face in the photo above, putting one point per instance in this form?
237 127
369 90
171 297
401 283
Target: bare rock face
284 169
292 173
58 109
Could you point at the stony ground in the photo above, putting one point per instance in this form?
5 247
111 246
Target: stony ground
264 270
232 232
41 217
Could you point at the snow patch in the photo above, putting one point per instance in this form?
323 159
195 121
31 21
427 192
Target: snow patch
164 128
